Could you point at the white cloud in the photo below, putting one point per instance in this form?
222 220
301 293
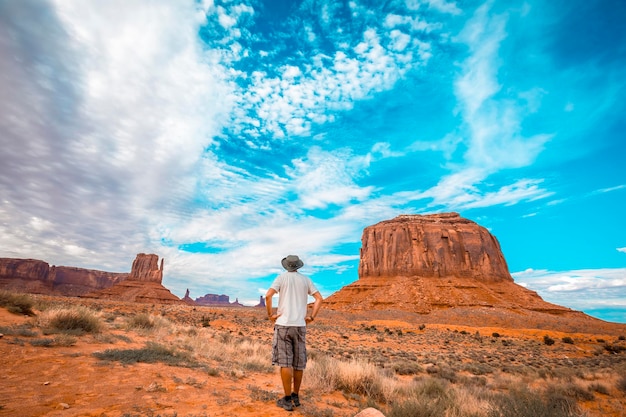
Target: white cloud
622 249
97 138
611 189
582 289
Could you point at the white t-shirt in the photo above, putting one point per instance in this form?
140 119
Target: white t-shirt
293 293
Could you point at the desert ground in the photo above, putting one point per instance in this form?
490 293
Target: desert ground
177 360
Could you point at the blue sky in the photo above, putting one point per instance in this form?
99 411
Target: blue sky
225 135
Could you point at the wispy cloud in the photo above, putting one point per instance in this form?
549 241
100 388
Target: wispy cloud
491 131
622 249
610 189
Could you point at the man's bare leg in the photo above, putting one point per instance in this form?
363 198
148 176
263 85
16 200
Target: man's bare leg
285 375
297 380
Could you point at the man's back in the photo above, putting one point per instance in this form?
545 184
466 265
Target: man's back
293 289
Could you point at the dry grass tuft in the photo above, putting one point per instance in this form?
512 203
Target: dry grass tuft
17 303
76 321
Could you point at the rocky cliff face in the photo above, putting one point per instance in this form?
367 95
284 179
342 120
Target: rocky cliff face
439 245
422 264
213 299
72 281
29 275
146 269
35 276
142 284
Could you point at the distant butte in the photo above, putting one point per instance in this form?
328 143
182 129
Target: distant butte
144 284
446 268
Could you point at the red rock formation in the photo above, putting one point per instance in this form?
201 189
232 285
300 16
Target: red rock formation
74 282
34 276
261 301
27 275
438 245
213 299
187 299
142 286
425 263
138 292
146 269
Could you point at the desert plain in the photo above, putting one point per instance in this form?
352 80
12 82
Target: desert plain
135 359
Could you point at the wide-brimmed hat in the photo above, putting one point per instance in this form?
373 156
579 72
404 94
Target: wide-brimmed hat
292 263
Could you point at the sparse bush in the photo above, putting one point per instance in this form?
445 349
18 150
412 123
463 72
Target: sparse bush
425 398
406 367
599 388
548 340
478 368
152 353
62 340
525 403
44 342
614 348
141 321
358 377
259 394
17 303
621 383
570 390
495 334
77 321
567 340
353 377
21 330
621 337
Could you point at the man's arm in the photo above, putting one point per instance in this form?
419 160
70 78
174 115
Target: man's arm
316 306
268 304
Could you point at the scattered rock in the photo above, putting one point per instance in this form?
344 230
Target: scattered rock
370 412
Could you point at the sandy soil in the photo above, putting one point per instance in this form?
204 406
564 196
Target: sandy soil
70 381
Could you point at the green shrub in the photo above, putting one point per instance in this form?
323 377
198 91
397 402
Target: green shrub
548 340
17 303
567 340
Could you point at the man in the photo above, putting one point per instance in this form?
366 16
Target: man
291 319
